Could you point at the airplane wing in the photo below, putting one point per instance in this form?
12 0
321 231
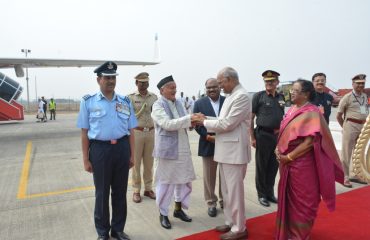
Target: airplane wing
20 63
44 62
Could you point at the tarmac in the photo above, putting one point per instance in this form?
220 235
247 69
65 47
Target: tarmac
46 194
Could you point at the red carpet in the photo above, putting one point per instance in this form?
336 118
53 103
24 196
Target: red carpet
350 220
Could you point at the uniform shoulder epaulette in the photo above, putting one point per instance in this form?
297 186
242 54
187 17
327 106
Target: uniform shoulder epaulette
124 99
258 94
87 96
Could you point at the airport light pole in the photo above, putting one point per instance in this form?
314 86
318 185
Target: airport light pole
26 51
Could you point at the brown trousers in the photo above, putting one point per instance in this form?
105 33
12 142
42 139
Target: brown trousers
351 131
209 181
144 144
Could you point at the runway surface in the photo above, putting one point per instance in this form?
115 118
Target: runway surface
46 194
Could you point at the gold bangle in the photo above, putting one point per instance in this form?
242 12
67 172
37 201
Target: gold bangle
289 157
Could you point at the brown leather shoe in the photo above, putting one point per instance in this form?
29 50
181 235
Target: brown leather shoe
136 197
149 194
223 228
234 236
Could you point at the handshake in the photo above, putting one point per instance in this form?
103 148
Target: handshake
197 119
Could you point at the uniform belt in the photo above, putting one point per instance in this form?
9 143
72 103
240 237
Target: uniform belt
269 130
144 129
356 120
113 141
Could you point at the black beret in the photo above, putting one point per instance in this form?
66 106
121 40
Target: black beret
106 69
269 75
359 78
164 81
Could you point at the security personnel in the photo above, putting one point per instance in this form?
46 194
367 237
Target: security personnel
352 113
268 107
107 121
143 101
322 99
52 108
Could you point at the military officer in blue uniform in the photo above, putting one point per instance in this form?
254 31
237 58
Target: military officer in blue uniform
107 121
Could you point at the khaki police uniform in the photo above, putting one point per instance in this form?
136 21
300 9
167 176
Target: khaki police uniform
355 110
144 138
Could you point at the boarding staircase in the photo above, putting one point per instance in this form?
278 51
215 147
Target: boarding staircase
10 90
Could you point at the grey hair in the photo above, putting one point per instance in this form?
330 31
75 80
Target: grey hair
229 72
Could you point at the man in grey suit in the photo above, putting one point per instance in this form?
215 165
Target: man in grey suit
232 151
209 105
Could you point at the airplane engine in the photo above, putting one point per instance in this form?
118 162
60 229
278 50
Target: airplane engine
361 153
19 72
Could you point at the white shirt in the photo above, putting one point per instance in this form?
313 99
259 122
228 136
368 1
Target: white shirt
215 105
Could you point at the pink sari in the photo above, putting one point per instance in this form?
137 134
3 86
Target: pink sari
308 178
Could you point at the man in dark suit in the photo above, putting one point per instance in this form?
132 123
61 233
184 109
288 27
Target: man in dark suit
209 105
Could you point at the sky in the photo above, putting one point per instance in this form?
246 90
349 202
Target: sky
197 38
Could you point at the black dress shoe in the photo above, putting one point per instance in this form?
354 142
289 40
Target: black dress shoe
356 180
212 211
272 199
165 222
120 235
182 215
263 201
103 238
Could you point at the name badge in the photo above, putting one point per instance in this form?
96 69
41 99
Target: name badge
363 109
119 107
126 109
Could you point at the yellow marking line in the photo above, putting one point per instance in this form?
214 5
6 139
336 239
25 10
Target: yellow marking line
22 189
35 195
23 182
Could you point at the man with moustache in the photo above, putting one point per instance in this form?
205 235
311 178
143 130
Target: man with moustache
142 101
232 151
268 108
107 120
353 110
209 105
174 167
322 99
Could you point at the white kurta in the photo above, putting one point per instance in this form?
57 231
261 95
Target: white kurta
181 170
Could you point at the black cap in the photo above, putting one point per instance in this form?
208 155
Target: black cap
164 81
106 69
270 75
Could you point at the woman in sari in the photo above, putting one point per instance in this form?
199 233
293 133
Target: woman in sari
309 165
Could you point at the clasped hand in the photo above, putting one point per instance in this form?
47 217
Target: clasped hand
197 119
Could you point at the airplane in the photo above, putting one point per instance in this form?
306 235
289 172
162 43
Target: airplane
10 90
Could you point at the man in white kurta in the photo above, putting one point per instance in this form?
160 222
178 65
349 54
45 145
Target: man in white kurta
232 151
174 169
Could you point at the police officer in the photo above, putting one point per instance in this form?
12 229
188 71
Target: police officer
352 113
106 120
143 101
322 99
268 107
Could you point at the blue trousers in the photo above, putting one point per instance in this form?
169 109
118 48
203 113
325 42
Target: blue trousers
110 163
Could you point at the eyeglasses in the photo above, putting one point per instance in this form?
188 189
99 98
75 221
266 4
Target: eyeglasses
294 91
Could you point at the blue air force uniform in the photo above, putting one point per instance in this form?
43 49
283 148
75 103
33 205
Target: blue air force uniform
108 123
